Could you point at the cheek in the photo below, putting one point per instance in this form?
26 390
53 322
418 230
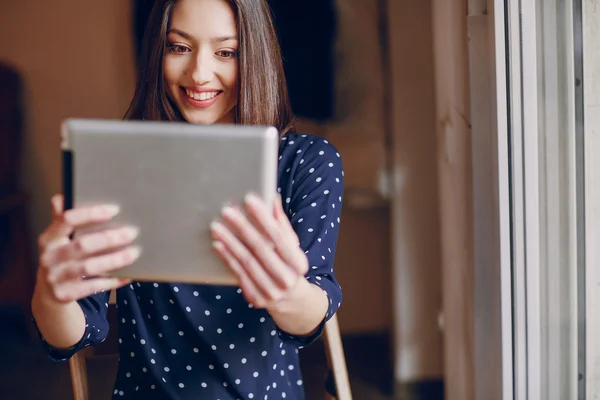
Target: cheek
172 72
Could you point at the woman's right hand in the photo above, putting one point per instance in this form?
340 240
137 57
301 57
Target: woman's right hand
73 269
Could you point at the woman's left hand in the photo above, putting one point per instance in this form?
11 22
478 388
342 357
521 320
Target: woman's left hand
261 248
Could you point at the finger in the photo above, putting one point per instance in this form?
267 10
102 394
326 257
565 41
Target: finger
286 245
261 248
66 223
57 233
286 227
251 293
79 289
300 262
96 266
89 244
82 216
57 205
255 270
261 217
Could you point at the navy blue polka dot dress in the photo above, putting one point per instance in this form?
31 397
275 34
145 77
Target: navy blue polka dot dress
182 342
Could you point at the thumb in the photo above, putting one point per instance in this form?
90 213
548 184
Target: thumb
278 211
283 220
58 202
58 232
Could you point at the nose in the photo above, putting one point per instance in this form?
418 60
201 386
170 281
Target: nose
203 68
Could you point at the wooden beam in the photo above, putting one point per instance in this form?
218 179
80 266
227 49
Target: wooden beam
418 353
456 194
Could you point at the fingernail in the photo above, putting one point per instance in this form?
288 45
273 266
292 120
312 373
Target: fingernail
228 211
251 198
217 244
112 209
215 226
135 252
132 232
121 281
56 199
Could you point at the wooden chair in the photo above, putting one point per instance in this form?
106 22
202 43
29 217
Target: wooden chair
337 385
336 362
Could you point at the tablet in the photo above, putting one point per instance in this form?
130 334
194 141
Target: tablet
171 180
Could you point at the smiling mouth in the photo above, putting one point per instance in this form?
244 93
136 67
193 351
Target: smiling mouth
201 96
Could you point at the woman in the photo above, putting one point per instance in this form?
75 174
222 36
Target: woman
207 61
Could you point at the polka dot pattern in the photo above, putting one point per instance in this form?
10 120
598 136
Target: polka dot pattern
182 341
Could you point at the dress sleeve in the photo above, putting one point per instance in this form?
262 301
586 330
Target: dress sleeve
94 309
314 209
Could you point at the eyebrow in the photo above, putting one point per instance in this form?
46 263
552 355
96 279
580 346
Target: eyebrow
186 35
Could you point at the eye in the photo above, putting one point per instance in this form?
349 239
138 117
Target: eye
177 49
226 53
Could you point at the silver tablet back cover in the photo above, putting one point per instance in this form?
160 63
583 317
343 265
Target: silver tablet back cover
171 180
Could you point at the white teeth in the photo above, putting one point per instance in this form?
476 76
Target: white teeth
202 95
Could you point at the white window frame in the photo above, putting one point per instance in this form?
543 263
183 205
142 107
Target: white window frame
545 193
589 124
530 213
538 215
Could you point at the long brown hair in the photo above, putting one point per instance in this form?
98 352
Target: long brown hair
263 96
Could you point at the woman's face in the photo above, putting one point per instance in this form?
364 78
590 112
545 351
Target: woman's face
200 65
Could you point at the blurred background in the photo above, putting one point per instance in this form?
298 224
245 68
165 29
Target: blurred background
414 95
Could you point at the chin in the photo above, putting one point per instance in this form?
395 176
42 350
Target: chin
208 116
200 120
204 117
